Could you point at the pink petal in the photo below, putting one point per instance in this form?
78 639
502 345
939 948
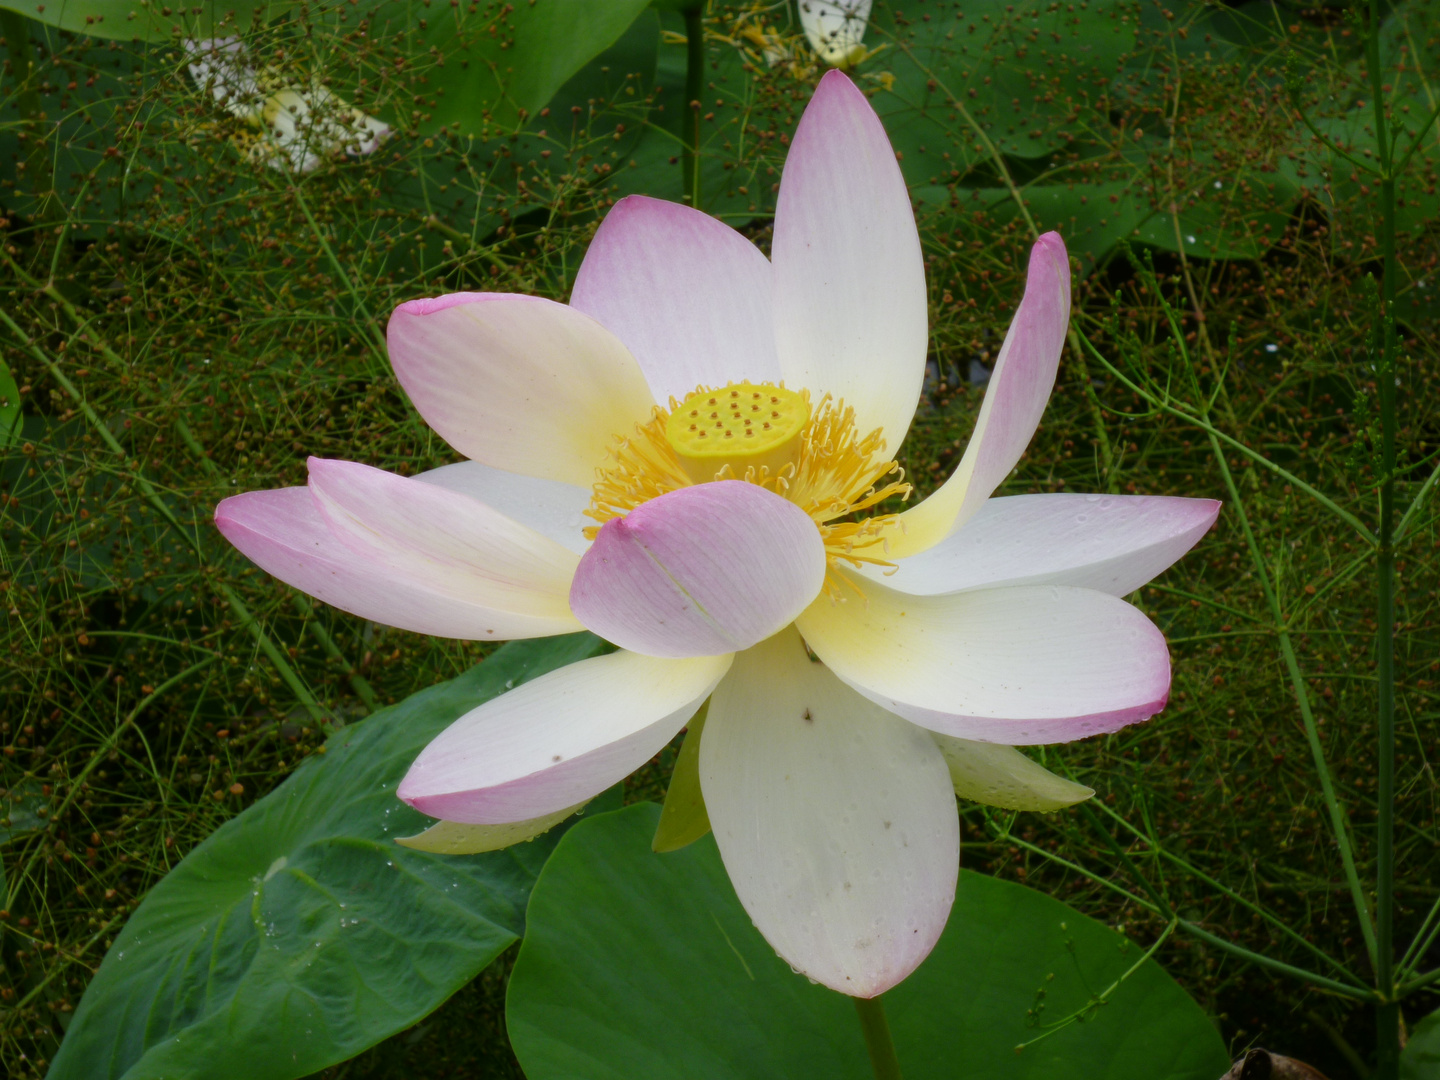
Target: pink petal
850 304
1014 401
282 532
1113 543
519 383
558 740
443 539
688 295
700 571
836 820
1020 665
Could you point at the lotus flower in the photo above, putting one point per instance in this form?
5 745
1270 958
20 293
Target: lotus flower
295 127
836 29
860 665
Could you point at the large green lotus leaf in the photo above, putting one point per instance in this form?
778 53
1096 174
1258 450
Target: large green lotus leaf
300 933
484 68
638 966
150 20
1019 71
1420 1060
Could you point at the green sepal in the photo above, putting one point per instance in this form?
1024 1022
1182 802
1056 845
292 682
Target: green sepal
683 819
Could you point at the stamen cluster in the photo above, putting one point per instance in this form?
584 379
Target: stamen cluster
835 473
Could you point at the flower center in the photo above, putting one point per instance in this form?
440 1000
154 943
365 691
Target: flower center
743 426
813 456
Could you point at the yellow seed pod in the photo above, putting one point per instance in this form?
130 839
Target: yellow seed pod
744 425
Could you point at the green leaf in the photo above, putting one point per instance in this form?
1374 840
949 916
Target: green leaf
9 406
1018 71
1420 1060
149 20
638 965
493 70
300 933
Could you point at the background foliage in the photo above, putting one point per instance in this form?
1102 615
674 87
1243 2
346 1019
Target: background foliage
182 321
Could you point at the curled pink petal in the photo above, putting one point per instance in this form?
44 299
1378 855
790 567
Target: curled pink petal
687 294
1113 543
700 571
443 538
518 383
1014 402
283 533
850 301
558 740
1021 665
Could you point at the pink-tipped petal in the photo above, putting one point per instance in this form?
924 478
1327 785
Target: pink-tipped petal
518 383
700 571
1022 665
444 539
1014 402
282 532
850 303
559 739
688 295
1113 543
549 507
835 820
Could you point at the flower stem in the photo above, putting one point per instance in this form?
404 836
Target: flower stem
694 80
877 1038
1387 1015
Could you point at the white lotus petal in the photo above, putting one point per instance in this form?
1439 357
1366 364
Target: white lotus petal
1113 543
835 820
1020 665
558 740
850 304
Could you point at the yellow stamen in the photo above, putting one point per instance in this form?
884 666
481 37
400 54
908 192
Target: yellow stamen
815 457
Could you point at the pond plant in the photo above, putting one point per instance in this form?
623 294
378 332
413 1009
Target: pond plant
710 369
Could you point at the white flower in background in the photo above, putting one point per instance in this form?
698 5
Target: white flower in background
835 29
297 127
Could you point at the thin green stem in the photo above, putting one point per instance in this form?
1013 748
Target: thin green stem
876 1030
151 495
1202 423
375 337
1419 982
358 682
1387 1014
694 88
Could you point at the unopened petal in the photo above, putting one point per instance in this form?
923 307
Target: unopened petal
456 838
835 819
283 532
1113 543
1002 776
1014 402
558 740
850 303
1021 665
445 539
518 383
700 571
688 295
